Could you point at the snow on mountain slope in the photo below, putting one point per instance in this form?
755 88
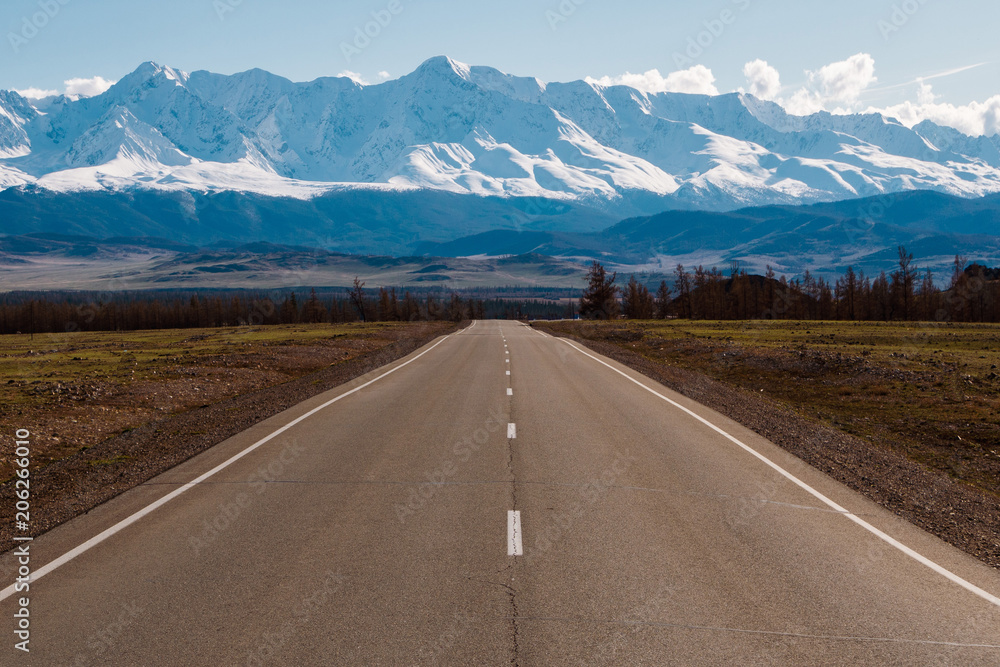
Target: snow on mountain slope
15 113
463 129
120 134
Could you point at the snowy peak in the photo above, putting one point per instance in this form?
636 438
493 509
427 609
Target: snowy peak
15 113
950 140
150 70
524 89
477 130
15 107
442 67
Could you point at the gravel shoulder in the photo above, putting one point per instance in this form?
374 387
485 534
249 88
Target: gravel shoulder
960 514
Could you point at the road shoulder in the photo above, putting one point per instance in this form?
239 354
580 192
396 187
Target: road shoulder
956 513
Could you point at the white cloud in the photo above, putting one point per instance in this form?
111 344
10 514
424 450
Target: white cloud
843 82
360 79
696 80
87 87
354 76
836 87
974 119
803 103
764 80
36 93
926 93
75 88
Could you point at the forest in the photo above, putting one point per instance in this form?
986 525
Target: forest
906 294
31 313
972 294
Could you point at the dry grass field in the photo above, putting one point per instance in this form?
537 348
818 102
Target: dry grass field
75 390
928 391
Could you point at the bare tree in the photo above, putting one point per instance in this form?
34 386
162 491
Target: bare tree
456 308
315 312
683 285
663 300
849 285
928 294
904 282
358 298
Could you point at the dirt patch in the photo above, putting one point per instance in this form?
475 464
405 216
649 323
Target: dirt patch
957 512
206 403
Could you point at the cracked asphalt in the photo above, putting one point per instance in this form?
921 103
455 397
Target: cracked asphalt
375 532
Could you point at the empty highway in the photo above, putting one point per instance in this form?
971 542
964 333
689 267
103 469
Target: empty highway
499 497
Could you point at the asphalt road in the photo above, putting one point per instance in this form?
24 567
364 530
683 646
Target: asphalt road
571 512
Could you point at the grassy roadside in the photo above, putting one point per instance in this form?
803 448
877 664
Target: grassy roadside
905 414
75 390
929 392
109 411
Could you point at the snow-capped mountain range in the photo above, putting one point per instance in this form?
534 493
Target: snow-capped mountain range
448 126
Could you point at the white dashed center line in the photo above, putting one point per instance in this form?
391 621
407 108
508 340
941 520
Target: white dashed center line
514 546
511 431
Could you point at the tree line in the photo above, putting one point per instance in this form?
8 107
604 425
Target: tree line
133 311
905 294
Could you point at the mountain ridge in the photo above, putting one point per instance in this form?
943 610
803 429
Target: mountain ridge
823 237
474 130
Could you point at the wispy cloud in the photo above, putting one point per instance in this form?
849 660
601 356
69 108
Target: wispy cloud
36 93
75 88
928 77
358 78
696 80
87 87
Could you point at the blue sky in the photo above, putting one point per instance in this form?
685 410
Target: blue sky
47 42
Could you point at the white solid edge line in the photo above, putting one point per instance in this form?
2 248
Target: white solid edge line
972 588
541 333
512 431
514 543
125 523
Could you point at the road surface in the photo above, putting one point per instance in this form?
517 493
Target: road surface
500 497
